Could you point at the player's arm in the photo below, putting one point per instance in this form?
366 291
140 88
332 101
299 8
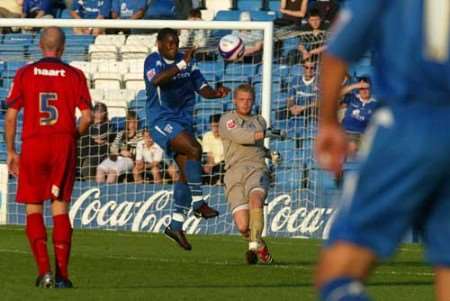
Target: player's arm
10 137
85 121
331 145
208 92
230 129
163 77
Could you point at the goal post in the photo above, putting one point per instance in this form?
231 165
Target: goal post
295 207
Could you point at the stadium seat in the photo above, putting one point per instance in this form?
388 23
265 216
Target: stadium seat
111 67
14 65
263 15
247 70
218 5
86 67
97 95
144 40
103 52
136 66
107 81
132 52
134 81
249 5
125 95
274 5
208 14
227 15
110 39
116 112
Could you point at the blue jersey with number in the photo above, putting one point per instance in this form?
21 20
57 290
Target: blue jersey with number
358 113
396 30
175 100
302 91
125 9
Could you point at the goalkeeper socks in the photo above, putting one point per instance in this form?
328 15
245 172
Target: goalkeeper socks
193 172
62 238
343 289
37 236
256 224
182 200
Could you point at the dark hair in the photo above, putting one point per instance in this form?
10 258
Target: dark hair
214 118
244 88
314 12
132 115
364 78
164 32
195 13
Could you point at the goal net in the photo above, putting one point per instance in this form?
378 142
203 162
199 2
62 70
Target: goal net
139 198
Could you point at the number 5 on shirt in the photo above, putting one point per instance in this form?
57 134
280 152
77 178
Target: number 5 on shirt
46 107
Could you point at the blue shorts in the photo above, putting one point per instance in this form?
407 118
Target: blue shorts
403 182
164 131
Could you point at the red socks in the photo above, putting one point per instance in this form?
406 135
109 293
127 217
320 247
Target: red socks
37 236
62 238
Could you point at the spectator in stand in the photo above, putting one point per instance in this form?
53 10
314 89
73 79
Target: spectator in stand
122 152
303 90
90 9
253 40
161 9
149 156
183 8
312 43
196 37
359 109
10 9
302 103
128 9
328 10
94 145
37 9
293 12
213 146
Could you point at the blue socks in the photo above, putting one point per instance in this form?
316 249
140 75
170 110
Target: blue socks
182 201
193 173
343 289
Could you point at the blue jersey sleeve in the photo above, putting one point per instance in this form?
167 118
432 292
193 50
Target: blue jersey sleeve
198 80
46 6
106 8
152 66
355 28
76 6
115 7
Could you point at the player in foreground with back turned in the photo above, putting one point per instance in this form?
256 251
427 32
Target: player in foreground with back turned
247 176
171 81
49 91
404 179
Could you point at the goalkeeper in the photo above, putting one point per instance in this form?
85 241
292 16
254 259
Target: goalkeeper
247 176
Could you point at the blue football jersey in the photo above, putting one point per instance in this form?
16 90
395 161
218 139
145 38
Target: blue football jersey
302 91
174 100
395 30
358 113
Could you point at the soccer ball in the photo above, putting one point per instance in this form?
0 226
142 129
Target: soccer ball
231 48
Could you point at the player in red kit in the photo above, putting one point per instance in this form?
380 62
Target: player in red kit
48 91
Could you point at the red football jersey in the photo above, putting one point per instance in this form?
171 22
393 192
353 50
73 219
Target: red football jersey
49 91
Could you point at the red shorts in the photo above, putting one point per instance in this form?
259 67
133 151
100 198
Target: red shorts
47 169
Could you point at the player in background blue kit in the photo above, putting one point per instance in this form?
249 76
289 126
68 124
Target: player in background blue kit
404 179
171 81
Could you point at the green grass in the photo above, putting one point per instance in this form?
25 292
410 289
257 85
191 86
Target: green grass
135 266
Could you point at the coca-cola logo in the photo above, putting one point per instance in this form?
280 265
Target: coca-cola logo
154 214
151 215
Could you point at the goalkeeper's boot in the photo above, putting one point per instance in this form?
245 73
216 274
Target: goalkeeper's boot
205 211
264 254
251 257
178 237
45 281
63 283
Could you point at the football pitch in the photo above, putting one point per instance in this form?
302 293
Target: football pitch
136 266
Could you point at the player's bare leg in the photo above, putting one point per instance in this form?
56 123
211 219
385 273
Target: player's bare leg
343 267
62 240
442 283
37 237
186 146
256 214
241 219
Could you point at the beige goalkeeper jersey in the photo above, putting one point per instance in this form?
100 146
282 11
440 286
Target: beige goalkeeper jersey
238 137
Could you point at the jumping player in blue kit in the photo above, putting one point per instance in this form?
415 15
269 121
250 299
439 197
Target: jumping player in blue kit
171 81
404 179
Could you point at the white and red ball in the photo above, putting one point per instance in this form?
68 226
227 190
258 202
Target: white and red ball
231 47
